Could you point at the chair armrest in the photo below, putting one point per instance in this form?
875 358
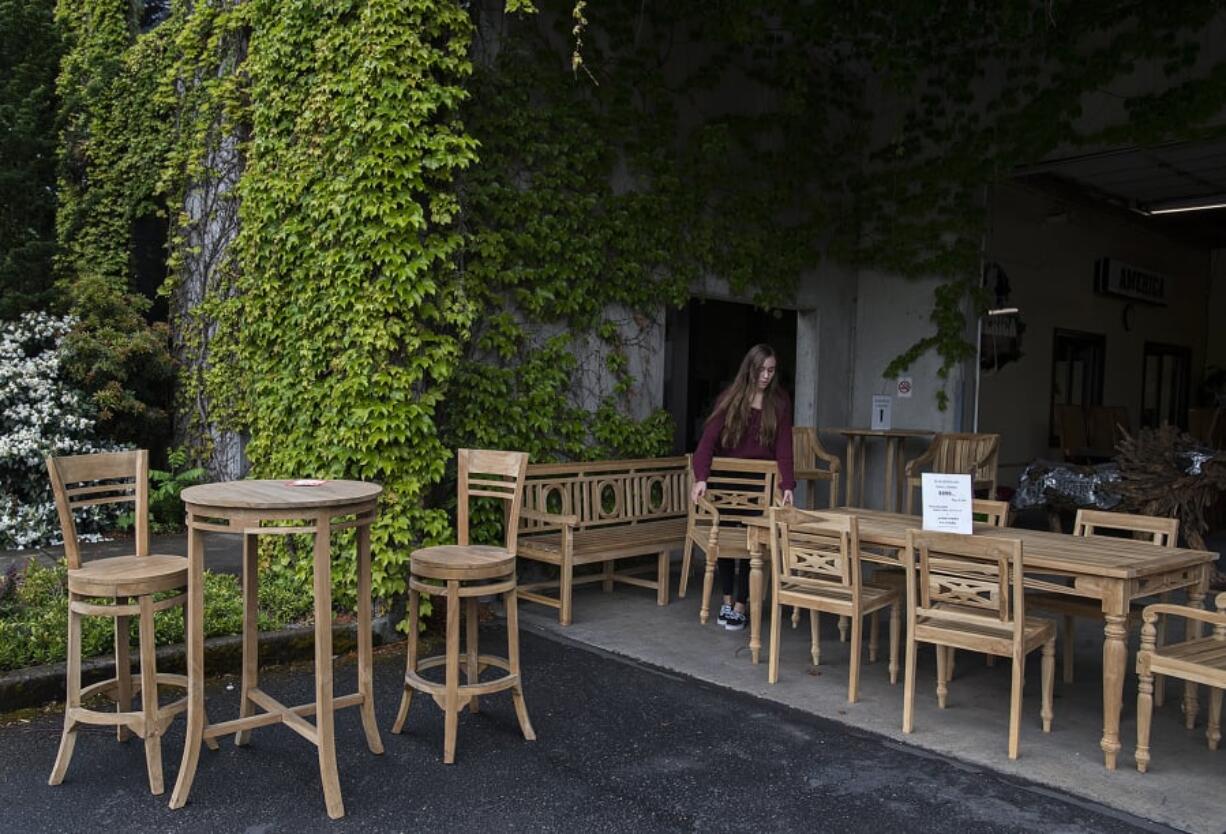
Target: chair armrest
1151 613
913 465
812 474
549 518
821 454
706 508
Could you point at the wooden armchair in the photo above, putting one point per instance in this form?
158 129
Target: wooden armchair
1196 660
813 463
736 488
957 454
966 592
815 562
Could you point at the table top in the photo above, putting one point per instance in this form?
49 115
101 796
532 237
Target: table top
1063 553
279 495
857 432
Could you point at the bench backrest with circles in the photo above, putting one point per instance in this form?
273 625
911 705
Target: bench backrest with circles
593 512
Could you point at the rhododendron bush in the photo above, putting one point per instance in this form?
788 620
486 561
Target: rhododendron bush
39 414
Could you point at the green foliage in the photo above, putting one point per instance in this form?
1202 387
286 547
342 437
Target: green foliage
29 60
113 144
351 312
34 615
165 505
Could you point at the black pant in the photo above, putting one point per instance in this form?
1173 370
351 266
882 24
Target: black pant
728 568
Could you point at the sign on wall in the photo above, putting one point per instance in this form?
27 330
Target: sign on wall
1112 277
880 420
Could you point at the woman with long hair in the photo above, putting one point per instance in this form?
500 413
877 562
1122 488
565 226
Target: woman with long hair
752 419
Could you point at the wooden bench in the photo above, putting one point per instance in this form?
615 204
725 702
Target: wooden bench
598 512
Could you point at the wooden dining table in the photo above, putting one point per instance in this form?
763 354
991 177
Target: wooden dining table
1114 571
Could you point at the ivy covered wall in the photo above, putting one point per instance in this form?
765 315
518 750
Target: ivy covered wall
396 228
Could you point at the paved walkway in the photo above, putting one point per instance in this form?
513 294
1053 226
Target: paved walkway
1182 789
623 747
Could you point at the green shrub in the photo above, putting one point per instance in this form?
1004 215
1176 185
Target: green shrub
34 615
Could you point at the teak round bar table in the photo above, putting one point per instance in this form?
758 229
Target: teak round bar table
241 507
893 461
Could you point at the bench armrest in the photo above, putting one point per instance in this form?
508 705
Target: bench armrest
549 518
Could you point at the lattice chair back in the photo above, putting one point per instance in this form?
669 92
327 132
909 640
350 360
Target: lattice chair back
103 478
966 579
1163 532
740 487
812 551
483 473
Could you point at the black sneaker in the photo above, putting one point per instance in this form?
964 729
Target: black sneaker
735 621
724 611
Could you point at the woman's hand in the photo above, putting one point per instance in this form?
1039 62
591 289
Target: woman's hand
697 491
787 498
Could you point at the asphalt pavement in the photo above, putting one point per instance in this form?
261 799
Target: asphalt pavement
622 747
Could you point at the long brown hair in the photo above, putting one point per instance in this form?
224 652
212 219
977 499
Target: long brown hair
736 401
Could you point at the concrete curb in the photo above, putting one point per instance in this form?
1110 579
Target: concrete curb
34 686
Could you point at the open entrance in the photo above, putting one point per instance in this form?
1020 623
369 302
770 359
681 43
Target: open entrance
705 342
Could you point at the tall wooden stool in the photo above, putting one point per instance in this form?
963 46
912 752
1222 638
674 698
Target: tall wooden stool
128 583
467 572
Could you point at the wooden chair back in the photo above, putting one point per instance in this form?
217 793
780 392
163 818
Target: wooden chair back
996 512
812 551
966 453
483 473
741 487
963 580
1163 532
1105 425
103 478
1071 428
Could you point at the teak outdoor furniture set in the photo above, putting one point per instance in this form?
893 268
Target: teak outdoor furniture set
961 592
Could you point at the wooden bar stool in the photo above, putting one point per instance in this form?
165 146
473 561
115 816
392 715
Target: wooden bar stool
128 584
467 572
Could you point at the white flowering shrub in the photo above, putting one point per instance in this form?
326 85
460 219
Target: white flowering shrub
39 414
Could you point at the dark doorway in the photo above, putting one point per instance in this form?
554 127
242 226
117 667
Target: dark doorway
1165 375
705 342
1077 369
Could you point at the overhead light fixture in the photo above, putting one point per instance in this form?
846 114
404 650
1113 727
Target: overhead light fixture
1211 201
1001 311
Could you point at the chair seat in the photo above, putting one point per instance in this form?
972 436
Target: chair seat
461 561
1192 659
833 600
129 576
982 636
733 541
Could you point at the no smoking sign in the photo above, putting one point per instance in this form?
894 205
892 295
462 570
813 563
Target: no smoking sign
904 387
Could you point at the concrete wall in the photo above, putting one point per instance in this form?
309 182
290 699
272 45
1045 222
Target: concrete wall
1048 248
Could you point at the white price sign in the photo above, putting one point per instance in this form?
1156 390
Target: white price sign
947 503
880 420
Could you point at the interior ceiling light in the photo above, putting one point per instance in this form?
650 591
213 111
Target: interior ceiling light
1211 201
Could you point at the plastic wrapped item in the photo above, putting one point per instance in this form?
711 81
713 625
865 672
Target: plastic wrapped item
1191 461
1050 484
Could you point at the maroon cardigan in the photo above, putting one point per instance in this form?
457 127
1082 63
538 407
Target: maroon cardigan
749 445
